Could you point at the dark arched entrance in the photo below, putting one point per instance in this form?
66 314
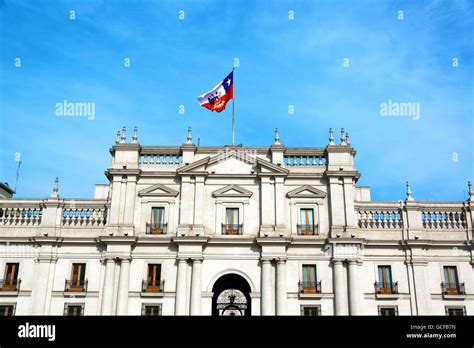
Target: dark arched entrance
231 296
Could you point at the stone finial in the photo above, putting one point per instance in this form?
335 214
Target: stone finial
118 138
348 141
277 137
54 194
409 194
123 138
343 137
190 136
134 138
331 137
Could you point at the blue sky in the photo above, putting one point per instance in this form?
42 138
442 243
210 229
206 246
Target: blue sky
283 62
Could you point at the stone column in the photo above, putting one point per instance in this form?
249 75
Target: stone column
338 287
353 291
420 287
122 298
279 201
108 288
266 287
281 293
180 300
196 287
41 286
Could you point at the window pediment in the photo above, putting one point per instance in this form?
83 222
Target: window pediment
158 190
232 191
306 191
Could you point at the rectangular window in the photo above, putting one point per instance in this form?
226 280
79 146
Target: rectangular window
154 278
385 280
151 310
77 281
451 285
157 221
10 277
309 279
388 311
73 310
7 310
310 311
307 221
455 311
232 221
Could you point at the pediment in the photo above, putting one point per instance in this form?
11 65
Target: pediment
158 190
306 191
239 159
232 191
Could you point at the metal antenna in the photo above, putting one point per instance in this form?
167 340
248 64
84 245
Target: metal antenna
17 173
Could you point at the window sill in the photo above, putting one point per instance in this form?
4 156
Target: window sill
386 296
73 294
152 294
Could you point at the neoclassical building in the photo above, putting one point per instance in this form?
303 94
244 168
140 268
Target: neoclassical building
234 230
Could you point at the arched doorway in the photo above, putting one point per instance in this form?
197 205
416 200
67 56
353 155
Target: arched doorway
231 296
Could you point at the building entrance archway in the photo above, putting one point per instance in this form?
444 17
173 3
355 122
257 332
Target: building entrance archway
231 296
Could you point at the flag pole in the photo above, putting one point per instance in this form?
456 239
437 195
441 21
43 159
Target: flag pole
233 104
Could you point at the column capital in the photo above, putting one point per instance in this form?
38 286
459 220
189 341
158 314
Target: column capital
281 259
197 259
266 259
182 259
337 261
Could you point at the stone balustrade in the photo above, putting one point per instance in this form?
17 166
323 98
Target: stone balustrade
312 157
380 217
20 213
430 215
84 216
161 156
443 219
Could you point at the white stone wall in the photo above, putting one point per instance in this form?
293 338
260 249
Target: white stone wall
108 233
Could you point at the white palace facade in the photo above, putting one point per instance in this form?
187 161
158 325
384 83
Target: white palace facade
234 230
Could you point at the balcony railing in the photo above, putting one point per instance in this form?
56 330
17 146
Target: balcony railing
309 287
231 229
453 288
16 215
71 286
13 285
307 230
157 286
382 289
156 228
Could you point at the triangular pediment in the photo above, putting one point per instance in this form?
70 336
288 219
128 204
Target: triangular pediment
306 191
158 190
232 191
257 163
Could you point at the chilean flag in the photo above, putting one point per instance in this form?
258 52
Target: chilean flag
217 98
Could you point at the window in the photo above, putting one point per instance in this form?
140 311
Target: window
10 278
232 221
309 284
385 285
451 285
153 283
385 311
74 310
306 225
310 311
77 282
151 309
7 310
455 311
157 221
